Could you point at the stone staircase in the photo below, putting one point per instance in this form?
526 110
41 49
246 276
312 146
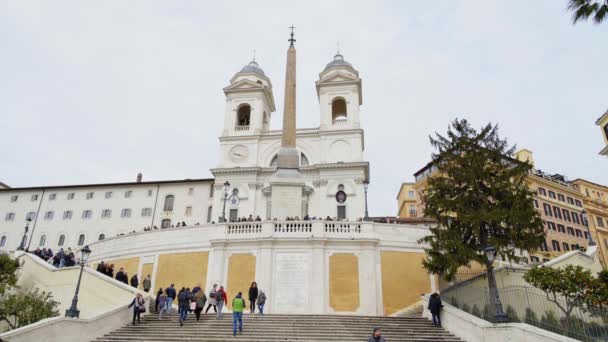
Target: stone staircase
268 328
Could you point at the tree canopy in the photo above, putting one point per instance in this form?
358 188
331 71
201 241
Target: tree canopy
479 197
585 9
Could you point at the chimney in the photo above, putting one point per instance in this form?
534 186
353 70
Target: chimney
139 177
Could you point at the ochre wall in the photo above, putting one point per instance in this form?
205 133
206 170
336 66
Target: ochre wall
145 270
182 269
403 279
131 265
344 282
241 273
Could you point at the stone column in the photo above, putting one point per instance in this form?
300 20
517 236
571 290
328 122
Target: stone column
288 157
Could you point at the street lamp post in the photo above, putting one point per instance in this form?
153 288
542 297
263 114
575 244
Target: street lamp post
73 310
499 315
365 186
27 228
226 185
586 223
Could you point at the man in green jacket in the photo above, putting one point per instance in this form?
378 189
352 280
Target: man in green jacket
238 304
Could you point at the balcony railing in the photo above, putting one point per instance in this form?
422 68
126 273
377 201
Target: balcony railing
241 128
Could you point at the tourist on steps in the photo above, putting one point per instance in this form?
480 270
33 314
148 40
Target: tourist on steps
212 299
147 284
222 298
434 307
134 281
238 304
160 302
171 295
139 306
200 300
164 303
261 301
183 304
253 296
376 336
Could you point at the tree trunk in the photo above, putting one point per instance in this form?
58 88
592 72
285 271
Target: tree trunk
492 287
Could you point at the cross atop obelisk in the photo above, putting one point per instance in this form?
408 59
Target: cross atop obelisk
288 155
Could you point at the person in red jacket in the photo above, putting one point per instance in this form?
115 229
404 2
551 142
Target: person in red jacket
222 299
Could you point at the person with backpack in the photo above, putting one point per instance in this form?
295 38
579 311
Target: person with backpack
238 305
434 307
200 299
261 301
253 296
212 299
221 298
171 295
183 304
139 306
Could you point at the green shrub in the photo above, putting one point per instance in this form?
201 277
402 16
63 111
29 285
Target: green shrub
454 302
475 311
531 317
512 314
466 308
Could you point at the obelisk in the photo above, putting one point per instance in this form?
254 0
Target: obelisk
287 184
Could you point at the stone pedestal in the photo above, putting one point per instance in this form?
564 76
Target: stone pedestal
286 196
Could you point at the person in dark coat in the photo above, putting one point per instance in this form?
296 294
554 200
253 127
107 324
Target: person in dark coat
253 296
377 336
134 281
434 307
139 306
171 295
183 304
157 302
101 268
121 276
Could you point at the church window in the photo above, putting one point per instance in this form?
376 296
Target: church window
169 203
338 110
234 214
61 240
243 115
3 241
209 212
42 240
341 212
101 236
303 160
81 240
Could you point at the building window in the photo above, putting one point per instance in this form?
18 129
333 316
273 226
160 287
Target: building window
150 192
413 210
410 194
128 193
570 200
90 195
3 241
574 247
536 204
9 217
209 212
14 198
534 258
575 217
566 215
338 110
547 209
52 197
570 231
67 215
341 212
233 215
101 236
108 194
551 194
579 233
106 213
42 240
49 215
126 212
542 191
557 212
556 246
551 225
61 240
188 211
561 197
34 197
586 235
561 228
543 246
81 240
87 214
304 160
30 216
600 222
71 196
146 212
578 203
190 191
566 247
169 203
166 223
243 115
211 190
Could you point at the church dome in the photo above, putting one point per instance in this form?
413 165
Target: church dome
253 67
338 62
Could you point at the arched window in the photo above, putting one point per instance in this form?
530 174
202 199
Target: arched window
169 203
274 160
101 236
42 240
166 223
338 110
81 240
3 241
243 115
61 240
303 160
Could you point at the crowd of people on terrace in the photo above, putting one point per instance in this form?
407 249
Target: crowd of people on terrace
63 258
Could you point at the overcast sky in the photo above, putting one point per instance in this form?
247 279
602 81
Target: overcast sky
98 91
